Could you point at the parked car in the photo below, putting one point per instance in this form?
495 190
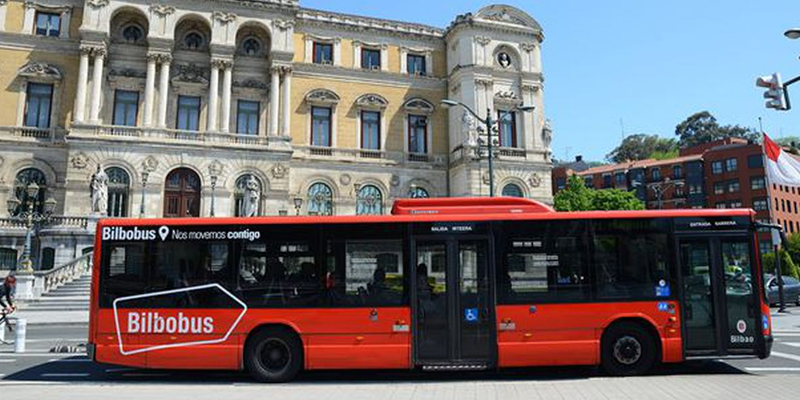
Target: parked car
791 290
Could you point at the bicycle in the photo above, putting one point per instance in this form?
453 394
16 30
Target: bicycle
6 320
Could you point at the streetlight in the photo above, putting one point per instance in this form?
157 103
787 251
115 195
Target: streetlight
793 33
145 174
489 122
213 190
298 202
659 188
31 218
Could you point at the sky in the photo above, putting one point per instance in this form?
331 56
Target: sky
618 67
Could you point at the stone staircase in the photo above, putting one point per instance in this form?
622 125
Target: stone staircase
71 296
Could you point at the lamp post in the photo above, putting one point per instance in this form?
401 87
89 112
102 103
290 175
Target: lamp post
145 175
659 188
298 202
489 122
213 191
31 218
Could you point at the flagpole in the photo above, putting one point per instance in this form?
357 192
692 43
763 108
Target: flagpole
776 245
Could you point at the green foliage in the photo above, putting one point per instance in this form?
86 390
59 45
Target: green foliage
577 197
792 143
640 147
702 127
665 155
788 267
792 247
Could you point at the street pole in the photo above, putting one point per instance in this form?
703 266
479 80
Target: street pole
144 185
489 124
779 277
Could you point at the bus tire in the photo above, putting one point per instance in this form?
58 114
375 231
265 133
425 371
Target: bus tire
273 355
627 349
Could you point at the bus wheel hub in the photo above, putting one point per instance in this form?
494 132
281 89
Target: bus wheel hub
627 350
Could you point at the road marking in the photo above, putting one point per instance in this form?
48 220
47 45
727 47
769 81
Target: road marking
773 369
7 361
793 344
785 355
69 360
41 354
65 375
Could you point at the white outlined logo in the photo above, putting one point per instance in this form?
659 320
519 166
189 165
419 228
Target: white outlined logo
177 319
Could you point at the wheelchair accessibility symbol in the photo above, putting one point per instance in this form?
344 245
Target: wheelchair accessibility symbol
471 314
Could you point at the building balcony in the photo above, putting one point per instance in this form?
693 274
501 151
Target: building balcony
56 222
379 157
173 136
31 134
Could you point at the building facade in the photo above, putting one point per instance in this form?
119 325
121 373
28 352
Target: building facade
261 107
728 173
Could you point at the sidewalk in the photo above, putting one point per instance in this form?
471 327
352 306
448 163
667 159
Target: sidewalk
53 317
786 321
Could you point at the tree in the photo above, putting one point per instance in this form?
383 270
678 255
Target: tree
792 246
702 127
640 147
788 267
577 197
792 143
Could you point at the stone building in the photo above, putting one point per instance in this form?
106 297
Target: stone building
259 107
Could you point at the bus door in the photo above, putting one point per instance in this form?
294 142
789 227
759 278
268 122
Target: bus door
452 304
721 309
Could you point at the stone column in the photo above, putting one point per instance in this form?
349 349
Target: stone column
83 83
213 95
227 81
274 91
97 86
163 91
150 90
286 91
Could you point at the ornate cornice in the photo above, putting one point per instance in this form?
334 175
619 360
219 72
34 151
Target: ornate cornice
97 3
190 73
251 84
223 17
360 24
283 24
322 96
372 100
40 70
162 10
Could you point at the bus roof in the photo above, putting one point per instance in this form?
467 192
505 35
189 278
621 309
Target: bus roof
443 210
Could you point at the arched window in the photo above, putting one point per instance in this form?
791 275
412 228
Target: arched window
119 184
133 34
320 199
251 47
193 41
248 189
369 201
182 194
512 190
416 192
24 178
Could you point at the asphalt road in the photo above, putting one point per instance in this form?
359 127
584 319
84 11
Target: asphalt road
39 368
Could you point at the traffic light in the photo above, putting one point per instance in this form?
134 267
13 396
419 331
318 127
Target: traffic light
774 93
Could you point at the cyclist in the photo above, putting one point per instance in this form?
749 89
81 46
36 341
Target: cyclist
7 291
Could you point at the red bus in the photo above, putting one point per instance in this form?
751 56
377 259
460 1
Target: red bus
441 284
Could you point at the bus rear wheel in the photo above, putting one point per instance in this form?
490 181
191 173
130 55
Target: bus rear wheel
273 355
628 349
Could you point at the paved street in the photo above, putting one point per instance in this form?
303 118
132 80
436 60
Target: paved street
41 375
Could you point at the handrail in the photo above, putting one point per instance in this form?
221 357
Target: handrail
53 278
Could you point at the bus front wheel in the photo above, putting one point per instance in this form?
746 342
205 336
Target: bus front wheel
273 355
628 349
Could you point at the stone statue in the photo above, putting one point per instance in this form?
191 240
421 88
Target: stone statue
99 191
468 128
252 196
547 134
504 60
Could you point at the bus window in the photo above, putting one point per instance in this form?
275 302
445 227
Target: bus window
279 272
373 272
124 272
543 262
177 265
631 259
